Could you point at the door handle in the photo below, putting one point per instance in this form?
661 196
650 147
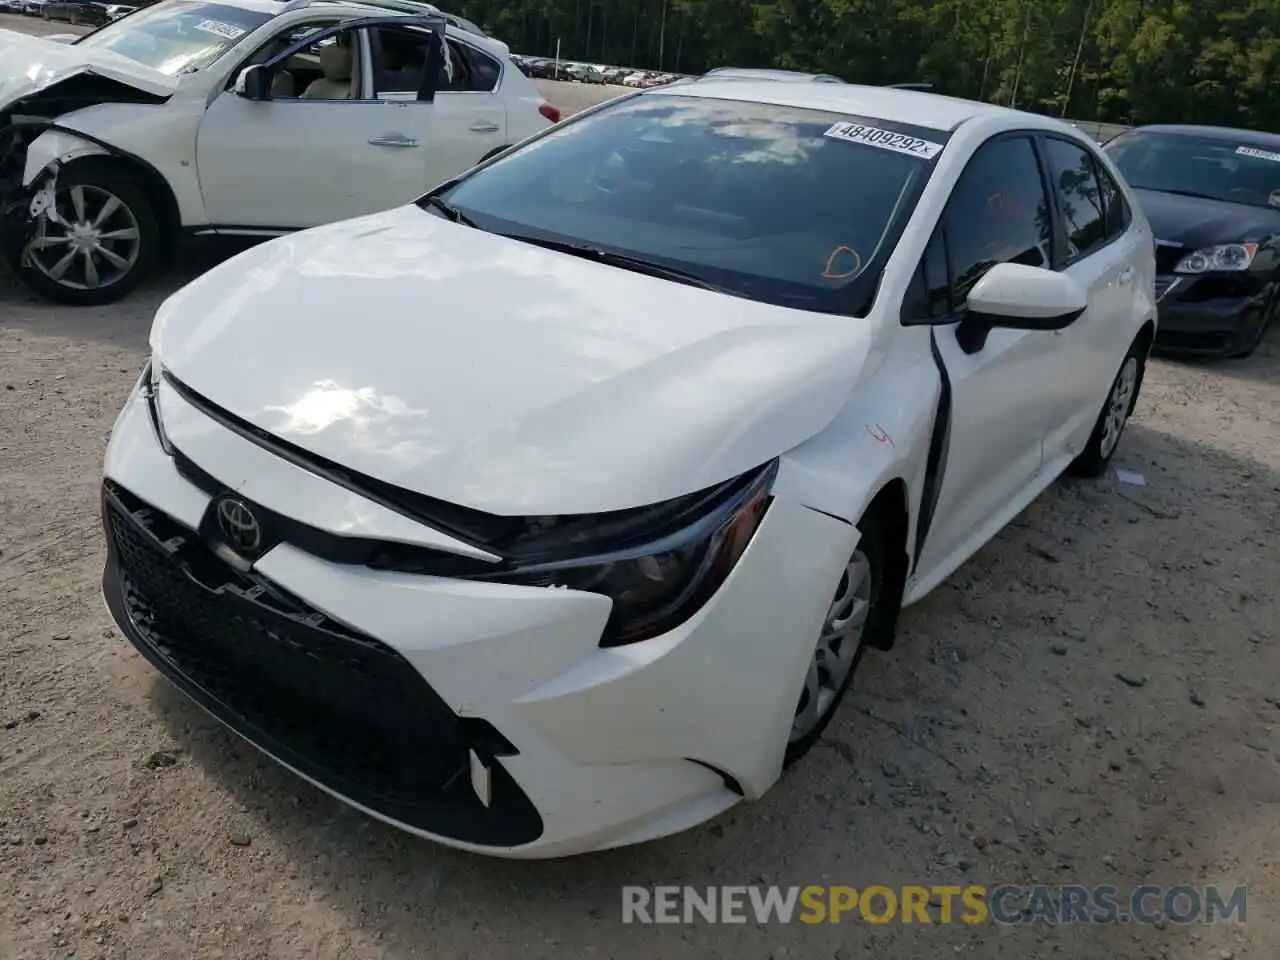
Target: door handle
1126 275
393 140
483 126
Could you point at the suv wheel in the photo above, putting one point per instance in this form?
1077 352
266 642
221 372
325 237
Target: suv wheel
104 240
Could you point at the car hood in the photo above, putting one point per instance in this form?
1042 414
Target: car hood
29 64
1197 222
501 376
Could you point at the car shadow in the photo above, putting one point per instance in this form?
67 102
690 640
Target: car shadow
1262 367
997 743
125 322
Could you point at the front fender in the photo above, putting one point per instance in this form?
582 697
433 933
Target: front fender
882 434
56 147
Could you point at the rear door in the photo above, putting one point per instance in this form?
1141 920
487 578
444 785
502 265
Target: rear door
469 120
1101 254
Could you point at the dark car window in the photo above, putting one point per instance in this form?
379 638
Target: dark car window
998 213
928 296
481 70
1115 210
1075 178
1232 170
776 203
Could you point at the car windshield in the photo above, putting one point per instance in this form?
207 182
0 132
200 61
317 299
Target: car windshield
788 206
1236 171
176 36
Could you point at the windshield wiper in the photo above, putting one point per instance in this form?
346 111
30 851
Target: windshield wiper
448 209
623 261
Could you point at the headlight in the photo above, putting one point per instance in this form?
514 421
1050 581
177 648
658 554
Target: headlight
1227 256
662 580
148 384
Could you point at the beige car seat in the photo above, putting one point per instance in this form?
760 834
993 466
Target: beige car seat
335 62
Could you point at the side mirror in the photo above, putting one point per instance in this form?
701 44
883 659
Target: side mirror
1019 297
254 83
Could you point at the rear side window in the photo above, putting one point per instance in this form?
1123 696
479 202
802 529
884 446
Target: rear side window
1075 178
483 69
998 213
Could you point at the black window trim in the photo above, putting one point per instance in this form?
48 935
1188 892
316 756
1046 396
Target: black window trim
1057 237
1061 261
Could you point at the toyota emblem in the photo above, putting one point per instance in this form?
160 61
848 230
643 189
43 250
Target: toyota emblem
239 526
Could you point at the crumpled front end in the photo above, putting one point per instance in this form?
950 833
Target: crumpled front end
33 105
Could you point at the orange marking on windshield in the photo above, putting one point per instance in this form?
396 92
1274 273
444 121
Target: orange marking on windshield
829 272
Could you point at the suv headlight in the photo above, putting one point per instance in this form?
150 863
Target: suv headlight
1226 256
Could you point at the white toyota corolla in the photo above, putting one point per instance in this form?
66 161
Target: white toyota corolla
555 511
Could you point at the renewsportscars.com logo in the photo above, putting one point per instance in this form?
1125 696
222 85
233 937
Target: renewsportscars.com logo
939 904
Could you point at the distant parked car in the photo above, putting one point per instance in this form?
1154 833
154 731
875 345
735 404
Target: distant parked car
226 87
76 11
1212 195
32 8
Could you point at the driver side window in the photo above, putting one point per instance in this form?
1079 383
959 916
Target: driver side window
998 213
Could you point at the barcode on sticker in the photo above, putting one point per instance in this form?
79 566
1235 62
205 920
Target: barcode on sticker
218 28
1260 154
884 139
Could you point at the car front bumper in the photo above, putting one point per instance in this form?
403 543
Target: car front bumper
1210 315
481 715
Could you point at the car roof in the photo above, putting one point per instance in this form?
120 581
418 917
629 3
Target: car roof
370 8
1225 134
914 107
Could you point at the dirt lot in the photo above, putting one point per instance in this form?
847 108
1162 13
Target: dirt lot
996 744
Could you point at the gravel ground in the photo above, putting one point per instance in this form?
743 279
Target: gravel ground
995 744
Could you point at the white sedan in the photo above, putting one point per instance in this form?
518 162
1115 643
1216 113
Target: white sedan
238 117
555 511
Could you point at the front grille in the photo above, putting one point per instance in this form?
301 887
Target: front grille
339 706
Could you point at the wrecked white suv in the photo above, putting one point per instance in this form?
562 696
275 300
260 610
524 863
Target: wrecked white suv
237 117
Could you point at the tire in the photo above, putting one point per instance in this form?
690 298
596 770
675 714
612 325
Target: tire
869 558
1264 323
127 248
1122 397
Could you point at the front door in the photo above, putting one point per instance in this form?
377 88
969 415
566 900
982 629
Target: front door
995 393
320 148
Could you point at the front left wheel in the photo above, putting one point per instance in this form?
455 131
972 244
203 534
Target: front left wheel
102 242
856 612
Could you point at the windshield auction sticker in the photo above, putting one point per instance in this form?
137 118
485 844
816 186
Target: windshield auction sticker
225 30
1260 154
884 139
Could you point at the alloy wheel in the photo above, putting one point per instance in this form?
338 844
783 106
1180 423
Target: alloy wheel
838 646
1118 404
94 241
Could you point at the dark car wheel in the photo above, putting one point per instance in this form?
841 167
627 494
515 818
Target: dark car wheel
106 242
1253 339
